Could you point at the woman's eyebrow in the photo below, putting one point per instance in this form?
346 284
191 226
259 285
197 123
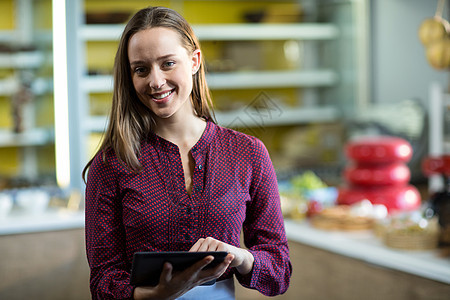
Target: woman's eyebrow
140 62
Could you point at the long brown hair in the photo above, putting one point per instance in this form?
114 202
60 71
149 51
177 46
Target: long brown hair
130 121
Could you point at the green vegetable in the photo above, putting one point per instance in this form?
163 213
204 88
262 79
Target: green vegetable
307 181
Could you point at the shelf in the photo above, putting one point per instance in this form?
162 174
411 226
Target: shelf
446 144
39 86
252 32
281 116
315 88
274 79
8 86
446 100
32 137
22 60
229 32
237 80
251 118
7 36
44 36
110 32
97 84
96 124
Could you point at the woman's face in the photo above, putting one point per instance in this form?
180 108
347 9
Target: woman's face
162 69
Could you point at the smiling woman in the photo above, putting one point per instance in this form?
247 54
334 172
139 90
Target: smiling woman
162 72
168 178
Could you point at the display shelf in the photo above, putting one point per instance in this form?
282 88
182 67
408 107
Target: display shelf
365 246
283 116
224 32
32 137
238 80
229 32
249 32
97 84
42 86
44 36
22 59
26 58
96 123
272 79
8 86
7 36
39 86
249 117
109 32
311 83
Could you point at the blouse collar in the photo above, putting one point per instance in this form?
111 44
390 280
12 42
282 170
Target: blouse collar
202 143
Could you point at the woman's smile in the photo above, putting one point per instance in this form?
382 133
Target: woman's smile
162 97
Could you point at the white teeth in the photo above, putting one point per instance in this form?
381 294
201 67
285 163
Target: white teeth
162 95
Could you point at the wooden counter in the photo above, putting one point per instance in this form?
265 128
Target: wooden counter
340 265
43 257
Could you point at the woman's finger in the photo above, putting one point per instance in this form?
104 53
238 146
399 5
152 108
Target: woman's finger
197 245
217 271
198 266
209 244
166 273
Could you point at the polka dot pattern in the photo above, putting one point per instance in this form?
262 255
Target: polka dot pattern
234 190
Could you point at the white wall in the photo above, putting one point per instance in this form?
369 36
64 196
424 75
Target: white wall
400 70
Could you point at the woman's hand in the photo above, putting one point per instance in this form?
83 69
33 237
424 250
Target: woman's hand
173 285
243 259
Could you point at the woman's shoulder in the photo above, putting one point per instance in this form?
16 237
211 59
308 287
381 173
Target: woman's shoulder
107 161
240 139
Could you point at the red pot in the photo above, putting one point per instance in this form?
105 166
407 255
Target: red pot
382 174
379 149
434 165
395 198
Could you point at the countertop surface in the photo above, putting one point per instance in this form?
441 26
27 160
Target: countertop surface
365 246
361 245
50 220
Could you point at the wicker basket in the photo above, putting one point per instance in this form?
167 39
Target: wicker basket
404 238
412 241
340 218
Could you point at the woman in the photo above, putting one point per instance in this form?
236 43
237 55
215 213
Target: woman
167 178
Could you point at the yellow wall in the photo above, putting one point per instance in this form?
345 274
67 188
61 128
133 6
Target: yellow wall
6 15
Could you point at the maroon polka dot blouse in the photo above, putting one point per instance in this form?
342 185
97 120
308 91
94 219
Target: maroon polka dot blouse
234 188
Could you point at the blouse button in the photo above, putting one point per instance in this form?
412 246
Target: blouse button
188 210
187 237
200 167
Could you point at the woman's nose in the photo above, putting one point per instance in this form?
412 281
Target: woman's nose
156 79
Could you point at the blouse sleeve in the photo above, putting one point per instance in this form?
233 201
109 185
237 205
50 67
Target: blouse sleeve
264 232
105 239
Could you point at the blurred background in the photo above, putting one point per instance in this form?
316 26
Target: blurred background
308 78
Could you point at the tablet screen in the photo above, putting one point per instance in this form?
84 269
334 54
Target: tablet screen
147 266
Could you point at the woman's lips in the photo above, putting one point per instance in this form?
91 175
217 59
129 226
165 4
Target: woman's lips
162 97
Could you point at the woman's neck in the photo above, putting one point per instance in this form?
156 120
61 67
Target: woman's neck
183 132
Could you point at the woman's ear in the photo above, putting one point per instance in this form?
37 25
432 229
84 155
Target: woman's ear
196 60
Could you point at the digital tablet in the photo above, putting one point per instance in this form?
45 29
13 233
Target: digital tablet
147 266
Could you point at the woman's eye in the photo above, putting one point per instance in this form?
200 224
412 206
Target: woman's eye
139 70
169 64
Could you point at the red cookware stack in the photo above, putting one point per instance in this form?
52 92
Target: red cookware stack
377 171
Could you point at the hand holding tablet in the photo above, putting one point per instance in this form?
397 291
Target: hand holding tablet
147 266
